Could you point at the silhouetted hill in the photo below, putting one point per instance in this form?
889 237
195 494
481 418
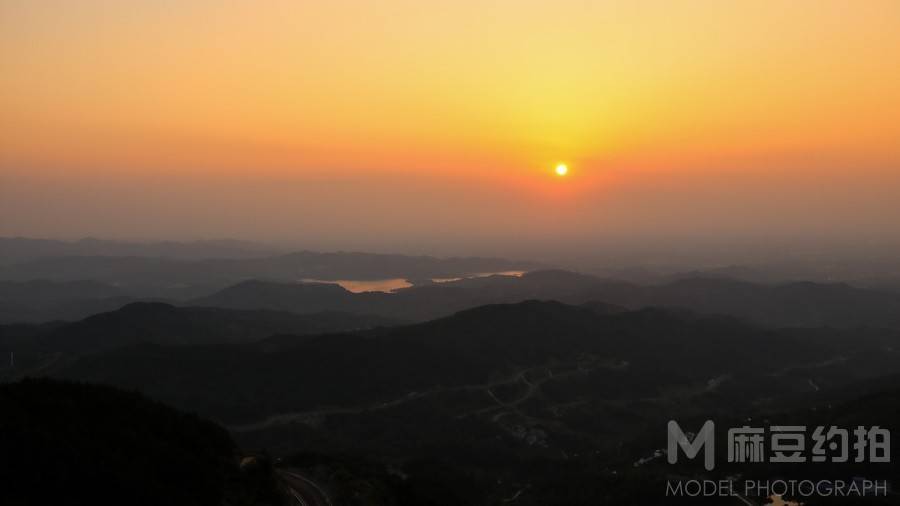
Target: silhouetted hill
70 443
296 297
147 276
794 304
643 352
539 392
603 308
416 303
802 304
159 323
42 300
429 301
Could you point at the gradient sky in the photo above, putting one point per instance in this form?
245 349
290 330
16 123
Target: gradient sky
409 125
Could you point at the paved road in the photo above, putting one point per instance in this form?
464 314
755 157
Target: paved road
302 416
746 501
303 490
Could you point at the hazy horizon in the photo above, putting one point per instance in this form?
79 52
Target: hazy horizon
777 258
404 129
470 252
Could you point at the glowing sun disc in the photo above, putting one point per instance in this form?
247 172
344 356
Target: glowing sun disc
562 169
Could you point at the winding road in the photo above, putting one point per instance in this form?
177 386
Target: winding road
303 491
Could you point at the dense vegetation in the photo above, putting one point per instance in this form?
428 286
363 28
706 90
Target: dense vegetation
591 355
531 403
159 323
71 443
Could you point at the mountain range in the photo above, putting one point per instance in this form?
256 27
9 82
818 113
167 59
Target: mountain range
540 396
789 305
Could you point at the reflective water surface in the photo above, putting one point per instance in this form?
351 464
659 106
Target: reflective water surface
393 284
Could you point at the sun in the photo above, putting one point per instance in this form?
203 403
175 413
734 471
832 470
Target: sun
562 169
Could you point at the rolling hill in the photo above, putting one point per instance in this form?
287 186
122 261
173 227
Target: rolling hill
159 323
788 305
70 443
643 353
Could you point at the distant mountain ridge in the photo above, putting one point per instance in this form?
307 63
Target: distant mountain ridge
160 323
144 275
493 387
801 304
631 353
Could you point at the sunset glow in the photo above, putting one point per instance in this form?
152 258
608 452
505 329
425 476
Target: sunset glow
646 98
462 252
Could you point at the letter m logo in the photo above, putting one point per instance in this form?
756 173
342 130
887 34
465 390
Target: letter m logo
704 439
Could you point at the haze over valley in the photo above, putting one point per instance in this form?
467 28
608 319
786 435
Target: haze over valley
500 367
467 253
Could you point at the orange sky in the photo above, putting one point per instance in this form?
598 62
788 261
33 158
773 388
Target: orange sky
666 102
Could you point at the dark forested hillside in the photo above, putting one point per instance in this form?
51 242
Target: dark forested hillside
574 352
532 398
554 402
166 324
70 443
159 323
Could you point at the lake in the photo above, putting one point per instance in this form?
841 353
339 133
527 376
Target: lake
393 284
